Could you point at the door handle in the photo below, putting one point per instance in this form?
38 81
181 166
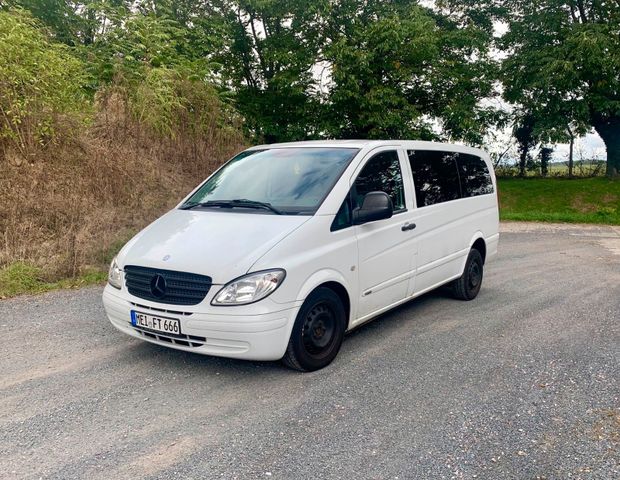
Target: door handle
408 226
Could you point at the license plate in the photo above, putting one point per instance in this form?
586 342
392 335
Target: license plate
157 324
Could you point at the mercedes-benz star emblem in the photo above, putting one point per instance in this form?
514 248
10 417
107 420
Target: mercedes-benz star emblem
158 286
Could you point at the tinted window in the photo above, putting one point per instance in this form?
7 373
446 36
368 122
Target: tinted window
381 174
435 176
294 180
475 176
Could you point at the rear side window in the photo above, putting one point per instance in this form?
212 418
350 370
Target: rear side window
475 176
435 175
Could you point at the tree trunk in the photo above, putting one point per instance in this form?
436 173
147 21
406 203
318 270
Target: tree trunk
571 150
522 163
609 130
545 157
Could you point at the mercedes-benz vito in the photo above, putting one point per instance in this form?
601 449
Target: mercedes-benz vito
286 247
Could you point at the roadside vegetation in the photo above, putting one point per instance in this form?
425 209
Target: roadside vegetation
19 278
110 111
583 200
87 158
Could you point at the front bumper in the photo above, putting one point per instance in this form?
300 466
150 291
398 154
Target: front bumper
252 337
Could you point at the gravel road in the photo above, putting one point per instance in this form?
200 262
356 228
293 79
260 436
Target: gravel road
523 382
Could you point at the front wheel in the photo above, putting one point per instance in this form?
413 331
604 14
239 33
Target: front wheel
467 286
318 332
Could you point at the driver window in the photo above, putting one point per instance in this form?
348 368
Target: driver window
380 174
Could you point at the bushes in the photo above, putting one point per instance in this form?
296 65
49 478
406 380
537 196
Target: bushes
41 86
112 138
172 102
168 94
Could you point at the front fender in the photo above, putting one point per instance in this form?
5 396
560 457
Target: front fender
327 275
320 277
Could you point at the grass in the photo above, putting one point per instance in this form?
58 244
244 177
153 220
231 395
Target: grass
583 200
19 278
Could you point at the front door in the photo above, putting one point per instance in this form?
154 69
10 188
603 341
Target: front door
386 248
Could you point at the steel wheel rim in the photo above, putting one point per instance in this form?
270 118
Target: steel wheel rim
319 328
475 275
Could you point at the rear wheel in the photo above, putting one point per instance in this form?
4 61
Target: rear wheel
318 332
467 286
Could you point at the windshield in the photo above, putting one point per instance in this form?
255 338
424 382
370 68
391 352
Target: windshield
292 180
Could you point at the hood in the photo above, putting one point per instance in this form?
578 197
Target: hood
220 244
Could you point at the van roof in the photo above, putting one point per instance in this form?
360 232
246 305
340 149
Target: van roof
360 143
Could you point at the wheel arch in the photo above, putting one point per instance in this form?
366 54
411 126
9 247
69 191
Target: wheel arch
342 293
477 241
335 282
480 245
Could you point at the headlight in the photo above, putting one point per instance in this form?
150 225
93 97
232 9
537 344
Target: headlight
115 275
250 288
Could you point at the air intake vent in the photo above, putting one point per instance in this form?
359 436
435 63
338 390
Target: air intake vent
166 286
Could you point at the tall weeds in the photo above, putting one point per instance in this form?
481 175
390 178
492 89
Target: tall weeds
80 174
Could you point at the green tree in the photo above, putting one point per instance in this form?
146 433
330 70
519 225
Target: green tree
58 15
563 64
554 123
399 70
545 158
268 61
41 83
146 57
74 22
524 132
133 44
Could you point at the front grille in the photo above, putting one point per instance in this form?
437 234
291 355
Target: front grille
178 288
163 310
183 340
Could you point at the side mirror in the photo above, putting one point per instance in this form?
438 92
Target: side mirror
376 206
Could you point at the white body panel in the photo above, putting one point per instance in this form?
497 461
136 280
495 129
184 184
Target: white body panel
446 233
213 241
377 264
385 253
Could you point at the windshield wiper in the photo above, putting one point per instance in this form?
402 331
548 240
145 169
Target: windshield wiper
238 202
244 202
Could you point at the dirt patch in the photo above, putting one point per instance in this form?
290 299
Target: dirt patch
605 235
581 206
608 427
163 456
611 244
74 363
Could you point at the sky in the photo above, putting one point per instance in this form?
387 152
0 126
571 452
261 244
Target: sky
589 147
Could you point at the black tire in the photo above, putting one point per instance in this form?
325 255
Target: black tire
318 332
467 286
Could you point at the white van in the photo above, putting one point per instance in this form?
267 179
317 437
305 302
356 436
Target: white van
286 247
